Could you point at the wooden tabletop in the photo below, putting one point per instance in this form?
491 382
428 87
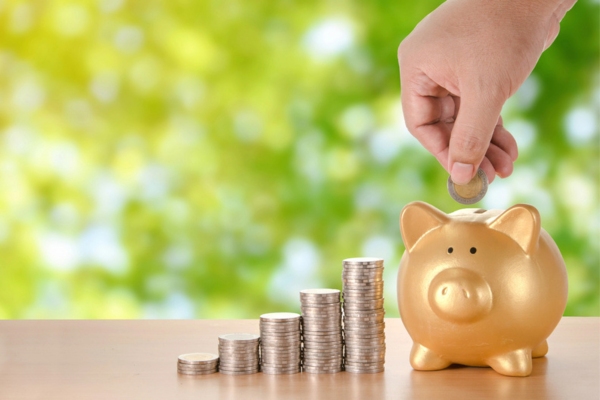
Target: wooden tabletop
137 360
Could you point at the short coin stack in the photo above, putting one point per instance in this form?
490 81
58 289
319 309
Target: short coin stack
280 343
322 330
363 310
238 353
197 363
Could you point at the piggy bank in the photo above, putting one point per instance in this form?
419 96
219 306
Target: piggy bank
479 288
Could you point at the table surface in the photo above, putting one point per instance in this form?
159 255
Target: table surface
137 360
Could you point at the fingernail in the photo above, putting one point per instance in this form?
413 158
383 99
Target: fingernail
461 173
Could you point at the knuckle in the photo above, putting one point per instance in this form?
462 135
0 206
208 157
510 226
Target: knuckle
471 143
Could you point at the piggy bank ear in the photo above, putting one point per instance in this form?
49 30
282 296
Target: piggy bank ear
522 224
417 219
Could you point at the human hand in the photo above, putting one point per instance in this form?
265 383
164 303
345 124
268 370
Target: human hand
459 66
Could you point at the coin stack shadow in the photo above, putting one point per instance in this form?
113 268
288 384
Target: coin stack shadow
280 343
238 353
321 331
363 313
197 363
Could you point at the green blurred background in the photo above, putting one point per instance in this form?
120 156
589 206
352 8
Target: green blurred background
208 159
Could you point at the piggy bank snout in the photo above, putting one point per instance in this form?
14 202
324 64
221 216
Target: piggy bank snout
459 295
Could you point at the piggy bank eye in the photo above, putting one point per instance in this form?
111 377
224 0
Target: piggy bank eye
473 250
450 250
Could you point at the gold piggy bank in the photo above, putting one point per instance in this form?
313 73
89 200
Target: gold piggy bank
479 288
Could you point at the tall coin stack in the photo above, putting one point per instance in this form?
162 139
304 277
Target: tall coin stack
280 343
363 314
321 330
197 363
238 354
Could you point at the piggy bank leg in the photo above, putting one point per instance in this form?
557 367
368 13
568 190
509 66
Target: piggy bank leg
514 363
423 359
541 350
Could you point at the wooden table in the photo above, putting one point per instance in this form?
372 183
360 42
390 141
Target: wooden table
137 360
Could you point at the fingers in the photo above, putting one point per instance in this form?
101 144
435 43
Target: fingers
505 141
424 112
472 134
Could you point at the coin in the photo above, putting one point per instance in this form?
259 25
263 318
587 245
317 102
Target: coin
239 337
228 372
277 371
196 372
279 317
366 261
198 358
316 370
472 192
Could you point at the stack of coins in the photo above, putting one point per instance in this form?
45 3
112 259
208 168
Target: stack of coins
364 335
280 343
197 363
238 353
321 331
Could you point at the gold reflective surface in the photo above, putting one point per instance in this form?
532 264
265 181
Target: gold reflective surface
479 288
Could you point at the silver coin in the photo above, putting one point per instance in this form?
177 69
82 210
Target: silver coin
364 366
239 362
472 192
320 291
369 314
337 364
184 367
363 330
372 337
362 273
270 333
360 342
353 354
238 354
315 314
357 349
198 358
358 370
322 317
270 371
363 260
279 317
196 372
312 370
364 286
242 352
364 320
280 355
325 339
361 292
364 305
280 341
239 337
358 291
320 305
322 348
226 372
280 368
279 327
325 357
359 281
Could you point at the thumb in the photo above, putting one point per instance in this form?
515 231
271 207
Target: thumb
471 135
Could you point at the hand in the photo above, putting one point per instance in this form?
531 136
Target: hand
460 65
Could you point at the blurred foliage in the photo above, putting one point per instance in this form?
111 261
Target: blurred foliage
179 159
